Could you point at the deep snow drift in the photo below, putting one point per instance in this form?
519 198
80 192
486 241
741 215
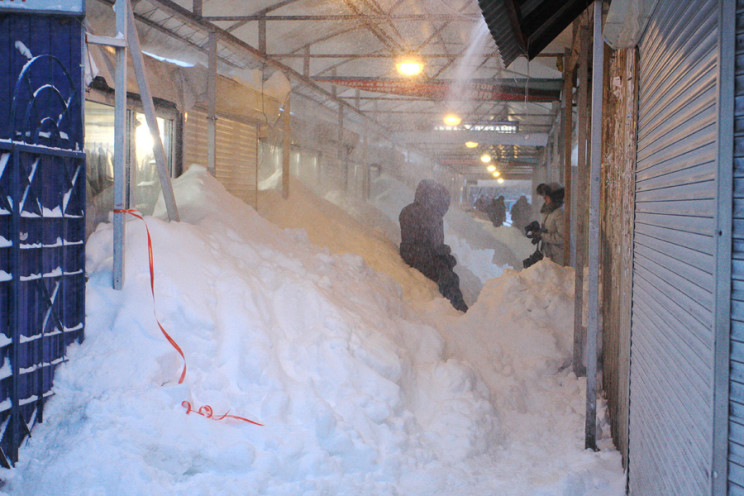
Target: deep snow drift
365 384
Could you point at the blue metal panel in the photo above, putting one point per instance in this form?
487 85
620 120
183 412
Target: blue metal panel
42 214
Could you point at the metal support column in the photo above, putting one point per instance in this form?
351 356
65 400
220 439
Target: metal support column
212 97
120 143
727 43
138 64
567 149
580 197
340 147
590 440
365 164
286 148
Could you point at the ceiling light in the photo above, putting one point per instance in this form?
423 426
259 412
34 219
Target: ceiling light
452 120
500 180
409 66
485 158
496 174
491 168
471 144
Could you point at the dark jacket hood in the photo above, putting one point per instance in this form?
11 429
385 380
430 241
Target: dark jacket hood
432 195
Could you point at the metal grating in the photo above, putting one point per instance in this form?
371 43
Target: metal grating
42 215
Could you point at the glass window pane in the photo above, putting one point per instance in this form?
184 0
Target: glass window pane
145 185
99 151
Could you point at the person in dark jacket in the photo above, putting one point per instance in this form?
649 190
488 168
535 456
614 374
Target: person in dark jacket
497 211
422 240
520 213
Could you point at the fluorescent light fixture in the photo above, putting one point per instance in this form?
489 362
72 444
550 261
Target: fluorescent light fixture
409 66
452 120
471 144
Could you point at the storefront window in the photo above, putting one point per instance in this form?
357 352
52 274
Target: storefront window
99 151
143 182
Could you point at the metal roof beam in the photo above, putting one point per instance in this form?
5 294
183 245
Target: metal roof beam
482 137
344 17
369 55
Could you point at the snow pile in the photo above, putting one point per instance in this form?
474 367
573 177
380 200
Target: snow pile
361 391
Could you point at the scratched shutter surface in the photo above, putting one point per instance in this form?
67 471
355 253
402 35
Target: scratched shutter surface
672 344
736 393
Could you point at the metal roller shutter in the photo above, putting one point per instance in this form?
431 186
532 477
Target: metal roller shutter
672 341
236 159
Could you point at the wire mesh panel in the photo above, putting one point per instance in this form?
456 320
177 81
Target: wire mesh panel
42 215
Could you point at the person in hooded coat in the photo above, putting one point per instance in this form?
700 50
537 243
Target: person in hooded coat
422 240
552 221
497 211
520 213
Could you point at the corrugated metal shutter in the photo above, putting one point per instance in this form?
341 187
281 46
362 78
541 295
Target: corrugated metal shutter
236 159
736 392
672 347
195 139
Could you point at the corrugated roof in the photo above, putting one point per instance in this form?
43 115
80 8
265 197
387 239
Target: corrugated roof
526 27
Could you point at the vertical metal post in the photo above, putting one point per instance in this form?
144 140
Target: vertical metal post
212 97
727 41
306 63
579 214
262 35
595 190
197 7
15 308
365 164
120 143
286 148
340 146
138 64
567 149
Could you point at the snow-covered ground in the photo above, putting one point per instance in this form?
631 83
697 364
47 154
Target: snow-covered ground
366 381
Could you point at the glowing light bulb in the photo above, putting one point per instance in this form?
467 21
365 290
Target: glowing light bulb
471 144
491 168
500 180
496 173
409 67
485 158
452 120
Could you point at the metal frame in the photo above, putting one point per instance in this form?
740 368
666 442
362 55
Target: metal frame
723 251
592 330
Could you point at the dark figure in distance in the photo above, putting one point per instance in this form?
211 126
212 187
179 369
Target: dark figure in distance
422 240
497 211
520 213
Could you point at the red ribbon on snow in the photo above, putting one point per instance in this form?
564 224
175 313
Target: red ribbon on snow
206 410
173 343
